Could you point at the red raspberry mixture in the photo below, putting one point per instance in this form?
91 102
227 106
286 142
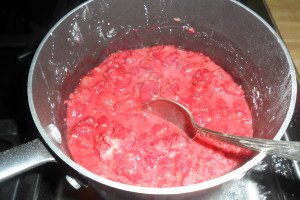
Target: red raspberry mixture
110 135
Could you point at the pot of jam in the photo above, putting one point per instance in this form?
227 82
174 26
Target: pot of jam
230 34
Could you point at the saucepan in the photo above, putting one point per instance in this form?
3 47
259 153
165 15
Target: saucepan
231 34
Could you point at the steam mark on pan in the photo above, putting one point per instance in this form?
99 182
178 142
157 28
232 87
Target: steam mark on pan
76 33
43 74
111 33
86 13
100 32
146 14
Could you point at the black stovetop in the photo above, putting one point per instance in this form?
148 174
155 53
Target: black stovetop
22 28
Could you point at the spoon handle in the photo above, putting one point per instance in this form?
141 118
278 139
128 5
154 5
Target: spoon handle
284 149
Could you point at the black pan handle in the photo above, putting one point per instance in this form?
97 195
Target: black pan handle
23 158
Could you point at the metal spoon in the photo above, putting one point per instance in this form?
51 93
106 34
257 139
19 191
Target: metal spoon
179 115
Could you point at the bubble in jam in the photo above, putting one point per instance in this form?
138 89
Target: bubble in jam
109 134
